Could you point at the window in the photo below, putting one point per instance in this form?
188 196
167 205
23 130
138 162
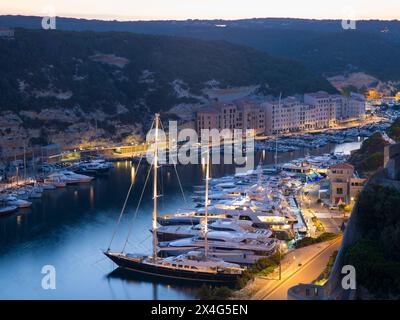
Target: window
244 218
339 191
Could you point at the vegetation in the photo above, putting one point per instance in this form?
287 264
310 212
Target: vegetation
369 157
40 65
308 241
376 256
327 271
323 46
394 130
318 224
263 267
378 274
213 293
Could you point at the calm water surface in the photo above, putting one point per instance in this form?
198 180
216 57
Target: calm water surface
68 229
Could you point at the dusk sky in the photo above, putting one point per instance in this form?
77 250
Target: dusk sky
206 9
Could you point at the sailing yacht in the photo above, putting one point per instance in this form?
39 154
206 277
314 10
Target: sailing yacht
194 266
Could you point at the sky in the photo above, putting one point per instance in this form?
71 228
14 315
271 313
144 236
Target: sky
206 9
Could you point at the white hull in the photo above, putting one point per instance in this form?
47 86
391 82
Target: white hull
20 203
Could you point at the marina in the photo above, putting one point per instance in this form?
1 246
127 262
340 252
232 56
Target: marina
199 158
75 233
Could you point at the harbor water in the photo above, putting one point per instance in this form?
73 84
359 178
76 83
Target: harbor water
69 228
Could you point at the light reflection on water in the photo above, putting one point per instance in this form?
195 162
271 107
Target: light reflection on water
70 227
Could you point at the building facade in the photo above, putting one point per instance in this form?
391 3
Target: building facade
241 114
344 184
351 107
312 111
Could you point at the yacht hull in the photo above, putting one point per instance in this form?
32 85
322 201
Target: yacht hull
159 271
167 236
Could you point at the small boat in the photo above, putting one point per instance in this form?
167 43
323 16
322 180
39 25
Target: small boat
7 209
56 180
13 201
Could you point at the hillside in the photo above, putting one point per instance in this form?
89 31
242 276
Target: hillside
46 68
394 130
64 84
321 45
377 252
369 157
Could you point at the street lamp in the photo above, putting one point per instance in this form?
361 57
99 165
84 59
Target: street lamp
280 261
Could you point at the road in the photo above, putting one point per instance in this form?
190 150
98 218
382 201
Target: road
314 260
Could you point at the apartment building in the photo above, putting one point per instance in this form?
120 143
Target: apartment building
301 113
325 108
250 115
344 184
241 114
208 118
350 107
282 116
313 111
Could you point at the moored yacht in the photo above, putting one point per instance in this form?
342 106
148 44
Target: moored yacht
234 246
72 177
13 201
189 266
57 179
96 166
193 266
6 209
174 232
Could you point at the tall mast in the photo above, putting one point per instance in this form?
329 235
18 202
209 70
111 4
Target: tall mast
206 204
157 120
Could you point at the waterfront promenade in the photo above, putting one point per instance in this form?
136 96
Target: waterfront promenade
302 265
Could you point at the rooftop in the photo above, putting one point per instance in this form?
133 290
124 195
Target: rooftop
342 166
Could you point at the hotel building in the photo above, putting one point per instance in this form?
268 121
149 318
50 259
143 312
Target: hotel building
242 114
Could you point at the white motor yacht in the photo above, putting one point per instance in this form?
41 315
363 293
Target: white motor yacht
242 228
13 201
72 177
57 179
233 246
